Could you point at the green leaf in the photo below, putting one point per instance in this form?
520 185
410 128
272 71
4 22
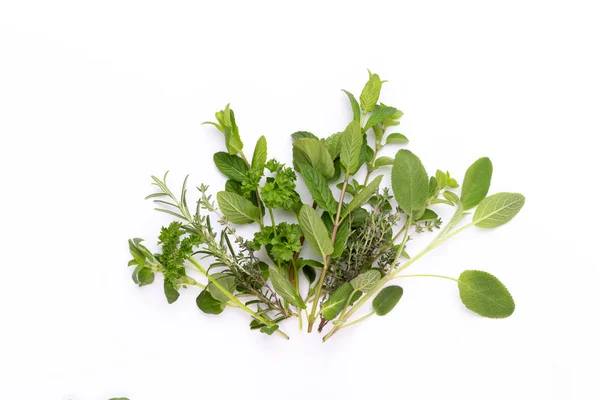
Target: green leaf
319 189
233 187
208 304
498 209
229 128
409 181
269 330
485 295
451 196
380 114
343 233
335 303
259 158
476 183
352 142
231 165
134 275
170 293
366 281
225 280
314 153
354 104
387 299
334 144
396 138
363 196
136 253
309 273
145 276
315 231
370 93
237 209
383 161
284 288
428 215
303 135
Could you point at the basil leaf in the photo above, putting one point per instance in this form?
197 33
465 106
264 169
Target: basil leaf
208 304
352 142
498 209
231 165
363 196
476 183
387 299
259 158
315 231
319 189
354 104
237 209
335 303
410 182
284 288
485 295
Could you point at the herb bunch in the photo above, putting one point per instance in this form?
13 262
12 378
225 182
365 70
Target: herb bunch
359 231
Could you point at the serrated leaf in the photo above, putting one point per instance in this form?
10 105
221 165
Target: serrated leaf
387 299
314 153
341 238
237 209
383 161
396 138
370 93
410 182
170 293
498 209
259 158
284 288
380 114
233 187
363 196
335 303
319 188
352 142
354 104
315 231
303 135
334 144
208 304
231 165
476 183
485 295
366 281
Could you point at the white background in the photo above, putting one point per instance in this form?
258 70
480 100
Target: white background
97 96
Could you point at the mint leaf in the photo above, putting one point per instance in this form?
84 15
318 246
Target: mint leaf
354 104
314 153
341 238
259 158
284 288
352 142
387 299
409 181
476 183
380 114
334 144
498 209
319 189
370 93
363 196
315 231
237 209
303 135
485 295
335 303
232 166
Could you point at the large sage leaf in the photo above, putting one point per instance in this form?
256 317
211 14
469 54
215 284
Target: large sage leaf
485 295
476 183
315 231
409 181
387 299
498 209
366 281
237 209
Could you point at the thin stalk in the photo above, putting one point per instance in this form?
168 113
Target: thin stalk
348 325
234 299
426 275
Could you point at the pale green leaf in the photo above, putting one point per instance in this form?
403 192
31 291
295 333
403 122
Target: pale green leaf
303 135
451 196
352 142
335 303
485 295
231 165
366 281
387 299
396 138
334 144
259 158
370 93
354 104
319 189
225 280
476 183
363 196
314 153
428 215
380 114
383 161
498 209
284 288
237 209
315 231
410 182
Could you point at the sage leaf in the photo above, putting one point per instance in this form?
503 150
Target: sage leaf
370 93
208 304
363 196
336 302
476 183
485 295
380 114
409 181
319 189
396 138
284 288
237 209
352 142
315 231
314 153
259 158
366 281
383 161
231 166
341 238
428 215
354 104
498 209
387 299
170 293
225 280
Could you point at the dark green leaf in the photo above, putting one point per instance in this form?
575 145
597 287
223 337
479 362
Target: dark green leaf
269 330
485 295
335 303
314 153
409 181
231 165
319 189
145 276
387 299
363 196
341 238
309 273
237 209
208 304
476 183
354 104
170 293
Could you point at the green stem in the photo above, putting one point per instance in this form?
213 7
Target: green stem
330 334
234 299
